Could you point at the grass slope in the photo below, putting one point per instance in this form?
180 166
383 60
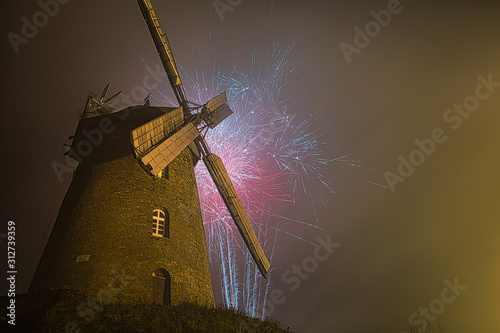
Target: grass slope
71 311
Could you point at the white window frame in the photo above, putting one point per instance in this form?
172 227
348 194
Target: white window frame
159 224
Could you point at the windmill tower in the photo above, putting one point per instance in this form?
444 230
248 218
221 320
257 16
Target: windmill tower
130 225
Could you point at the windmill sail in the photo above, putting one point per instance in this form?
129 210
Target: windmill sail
215 118
215 102
158 142
149 134
227 191
216 110
167 59
166 151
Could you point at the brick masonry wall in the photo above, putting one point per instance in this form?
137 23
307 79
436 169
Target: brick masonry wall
107 214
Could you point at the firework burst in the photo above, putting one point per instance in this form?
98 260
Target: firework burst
270 156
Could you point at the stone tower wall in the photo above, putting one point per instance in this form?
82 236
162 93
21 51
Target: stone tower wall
108 214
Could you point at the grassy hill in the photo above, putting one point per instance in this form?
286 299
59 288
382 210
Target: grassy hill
71 311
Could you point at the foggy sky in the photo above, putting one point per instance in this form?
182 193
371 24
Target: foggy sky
397 247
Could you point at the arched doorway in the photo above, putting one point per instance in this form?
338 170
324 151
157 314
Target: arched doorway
161 287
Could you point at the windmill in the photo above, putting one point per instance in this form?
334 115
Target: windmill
130 225
158 142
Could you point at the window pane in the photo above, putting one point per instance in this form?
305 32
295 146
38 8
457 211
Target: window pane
159 218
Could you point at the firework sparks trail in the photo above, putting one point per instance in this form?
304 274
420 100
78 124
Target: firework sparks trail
270 156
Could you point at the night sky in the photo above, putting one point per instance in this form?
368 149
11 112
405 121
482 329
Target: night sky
404 235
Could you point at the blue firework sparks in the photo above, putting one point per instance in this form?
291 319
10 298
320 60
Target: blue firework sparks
269 154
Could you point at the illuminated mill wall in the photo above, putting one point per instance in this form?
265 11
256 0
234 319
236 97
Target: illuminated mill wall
102 242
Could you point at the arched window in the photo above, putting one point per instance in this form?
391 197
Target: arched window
161 287
160 223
